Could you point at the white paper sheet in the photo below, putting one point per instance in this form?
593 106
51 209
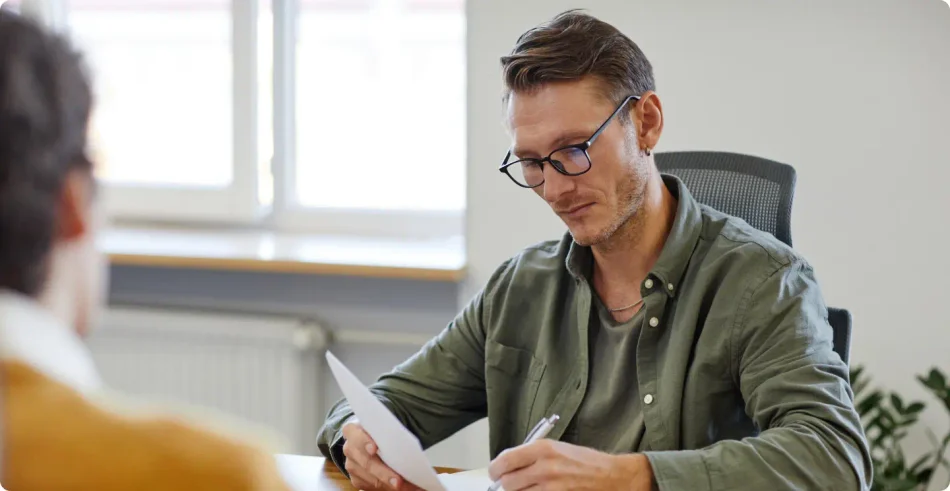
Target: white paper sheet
476 480
398 447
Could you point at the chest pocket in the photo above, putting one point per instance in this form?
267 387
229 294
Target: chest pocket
512 379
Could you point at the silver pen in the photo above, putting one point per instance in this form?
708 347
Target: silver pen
540 431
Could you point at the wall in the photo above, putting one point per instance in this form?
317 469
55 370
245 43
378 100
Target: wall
853 93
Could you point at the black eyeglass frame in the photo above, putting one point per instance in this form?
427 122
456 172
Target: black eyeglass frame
583 146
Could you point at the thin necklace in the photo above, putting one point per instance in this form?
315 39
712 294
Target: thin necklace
638 302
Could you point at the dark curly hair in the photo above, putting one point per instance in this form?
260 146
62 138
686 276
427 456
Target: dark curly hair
45 100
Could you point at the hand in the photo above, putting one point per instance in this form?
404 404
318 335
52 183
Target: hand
367 471
551 465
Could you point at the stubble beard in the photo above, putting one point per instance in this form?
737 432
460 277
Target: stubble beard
627 223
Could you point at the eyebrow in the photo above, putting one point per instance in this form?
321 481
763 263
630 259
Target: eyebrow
561 141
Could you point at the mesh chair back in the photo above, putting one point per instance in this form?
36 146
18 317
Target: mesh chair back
757 190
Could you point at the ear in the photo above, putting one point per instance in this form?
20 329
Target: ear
75 201
649 118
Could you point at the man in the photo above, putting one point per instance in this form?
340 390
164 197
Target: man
681 348
59 430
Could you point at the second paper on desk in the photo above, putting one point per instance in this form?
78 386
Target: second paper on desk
476 480
398 447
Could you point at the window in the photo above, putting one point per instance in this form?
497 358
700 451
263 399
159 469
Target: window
391 113
313 115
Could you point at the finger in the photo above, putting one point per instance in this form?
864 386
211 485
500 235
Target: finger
365 485
526 478
359 476
358 444
354 432
516 458
361 483
355 453
384 473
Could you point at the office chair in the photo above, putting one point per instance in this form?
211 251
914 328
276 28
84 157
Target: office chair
757 190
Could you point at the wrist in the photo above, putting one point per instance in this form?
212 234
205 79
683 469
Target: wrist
633 471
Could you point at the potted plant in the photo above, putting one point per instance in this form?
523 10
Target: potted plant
886 417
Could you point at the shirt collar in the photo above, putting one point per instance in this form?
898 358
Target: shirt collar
680 243
31 334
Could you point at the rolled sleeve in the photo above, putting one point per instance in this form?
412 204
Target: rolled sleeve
675 470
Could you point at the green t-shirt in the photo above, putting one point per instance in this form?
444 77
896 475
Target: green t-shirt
609 418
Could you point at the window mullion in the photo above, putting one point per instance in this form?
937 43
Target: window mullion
244 32
286 14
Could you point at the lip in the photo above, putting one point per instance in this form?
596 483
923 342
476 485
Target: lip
576 211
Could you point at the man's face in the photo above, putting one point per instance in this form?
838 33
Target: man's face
597 203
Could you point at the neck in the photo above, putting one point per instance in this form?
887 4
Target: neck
58 303
622 262
57 295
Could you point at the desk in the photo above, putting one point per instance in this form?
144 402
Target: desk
317 473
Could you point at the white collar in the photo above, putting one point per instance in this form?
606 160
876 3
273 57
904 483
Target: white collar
31 334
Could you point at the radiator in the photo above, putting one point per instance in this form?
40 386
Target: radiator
263 369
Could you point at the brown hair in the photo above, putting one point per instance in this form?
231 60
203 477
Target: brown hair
572 46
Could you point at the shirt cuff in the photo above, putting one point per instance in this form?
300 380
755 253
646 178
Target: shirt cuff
336 452
680 470
333 448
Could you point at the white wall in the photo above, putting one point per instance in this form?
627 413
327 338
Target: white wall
853 93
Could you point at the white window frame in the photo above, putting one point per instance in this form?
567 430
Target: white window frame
287 215
238 204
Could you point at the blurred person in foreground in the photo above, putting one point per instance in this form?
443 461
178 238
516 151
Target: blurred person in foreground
60 427
681 348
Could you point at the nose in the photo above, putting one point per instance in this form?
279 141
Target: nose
555 184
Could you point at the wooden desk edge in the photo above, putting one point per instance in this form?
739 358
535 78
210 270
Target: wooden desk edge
453 275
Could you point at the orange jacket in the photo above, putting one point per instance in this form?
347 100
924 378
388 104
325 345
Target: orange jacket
59 432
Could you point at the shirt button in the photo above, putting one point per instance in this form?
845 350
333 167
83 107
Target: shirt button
669 287
648 283
648 399
654 322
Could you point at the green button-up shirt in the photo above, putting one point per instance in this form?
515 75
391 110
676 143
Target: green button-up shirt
739 384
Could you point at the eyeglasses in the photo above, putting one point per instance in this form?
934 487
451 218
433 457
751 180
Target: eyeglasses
572 160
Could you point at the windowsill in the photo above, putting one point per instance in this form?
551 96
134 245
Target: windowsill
269 252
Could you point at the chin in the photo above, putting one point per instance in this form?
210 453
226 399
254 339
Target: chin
590 234
587 237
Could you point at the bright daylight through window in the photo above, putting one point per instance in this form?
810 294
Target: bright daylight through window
187 123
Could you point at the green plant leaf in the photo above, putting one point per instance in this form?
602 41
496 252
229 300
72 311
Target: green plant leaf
907 421
918 466
936 381
897 403
859 383
854 374
888 421
940 377
900 484
886 417
870 402
916 408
